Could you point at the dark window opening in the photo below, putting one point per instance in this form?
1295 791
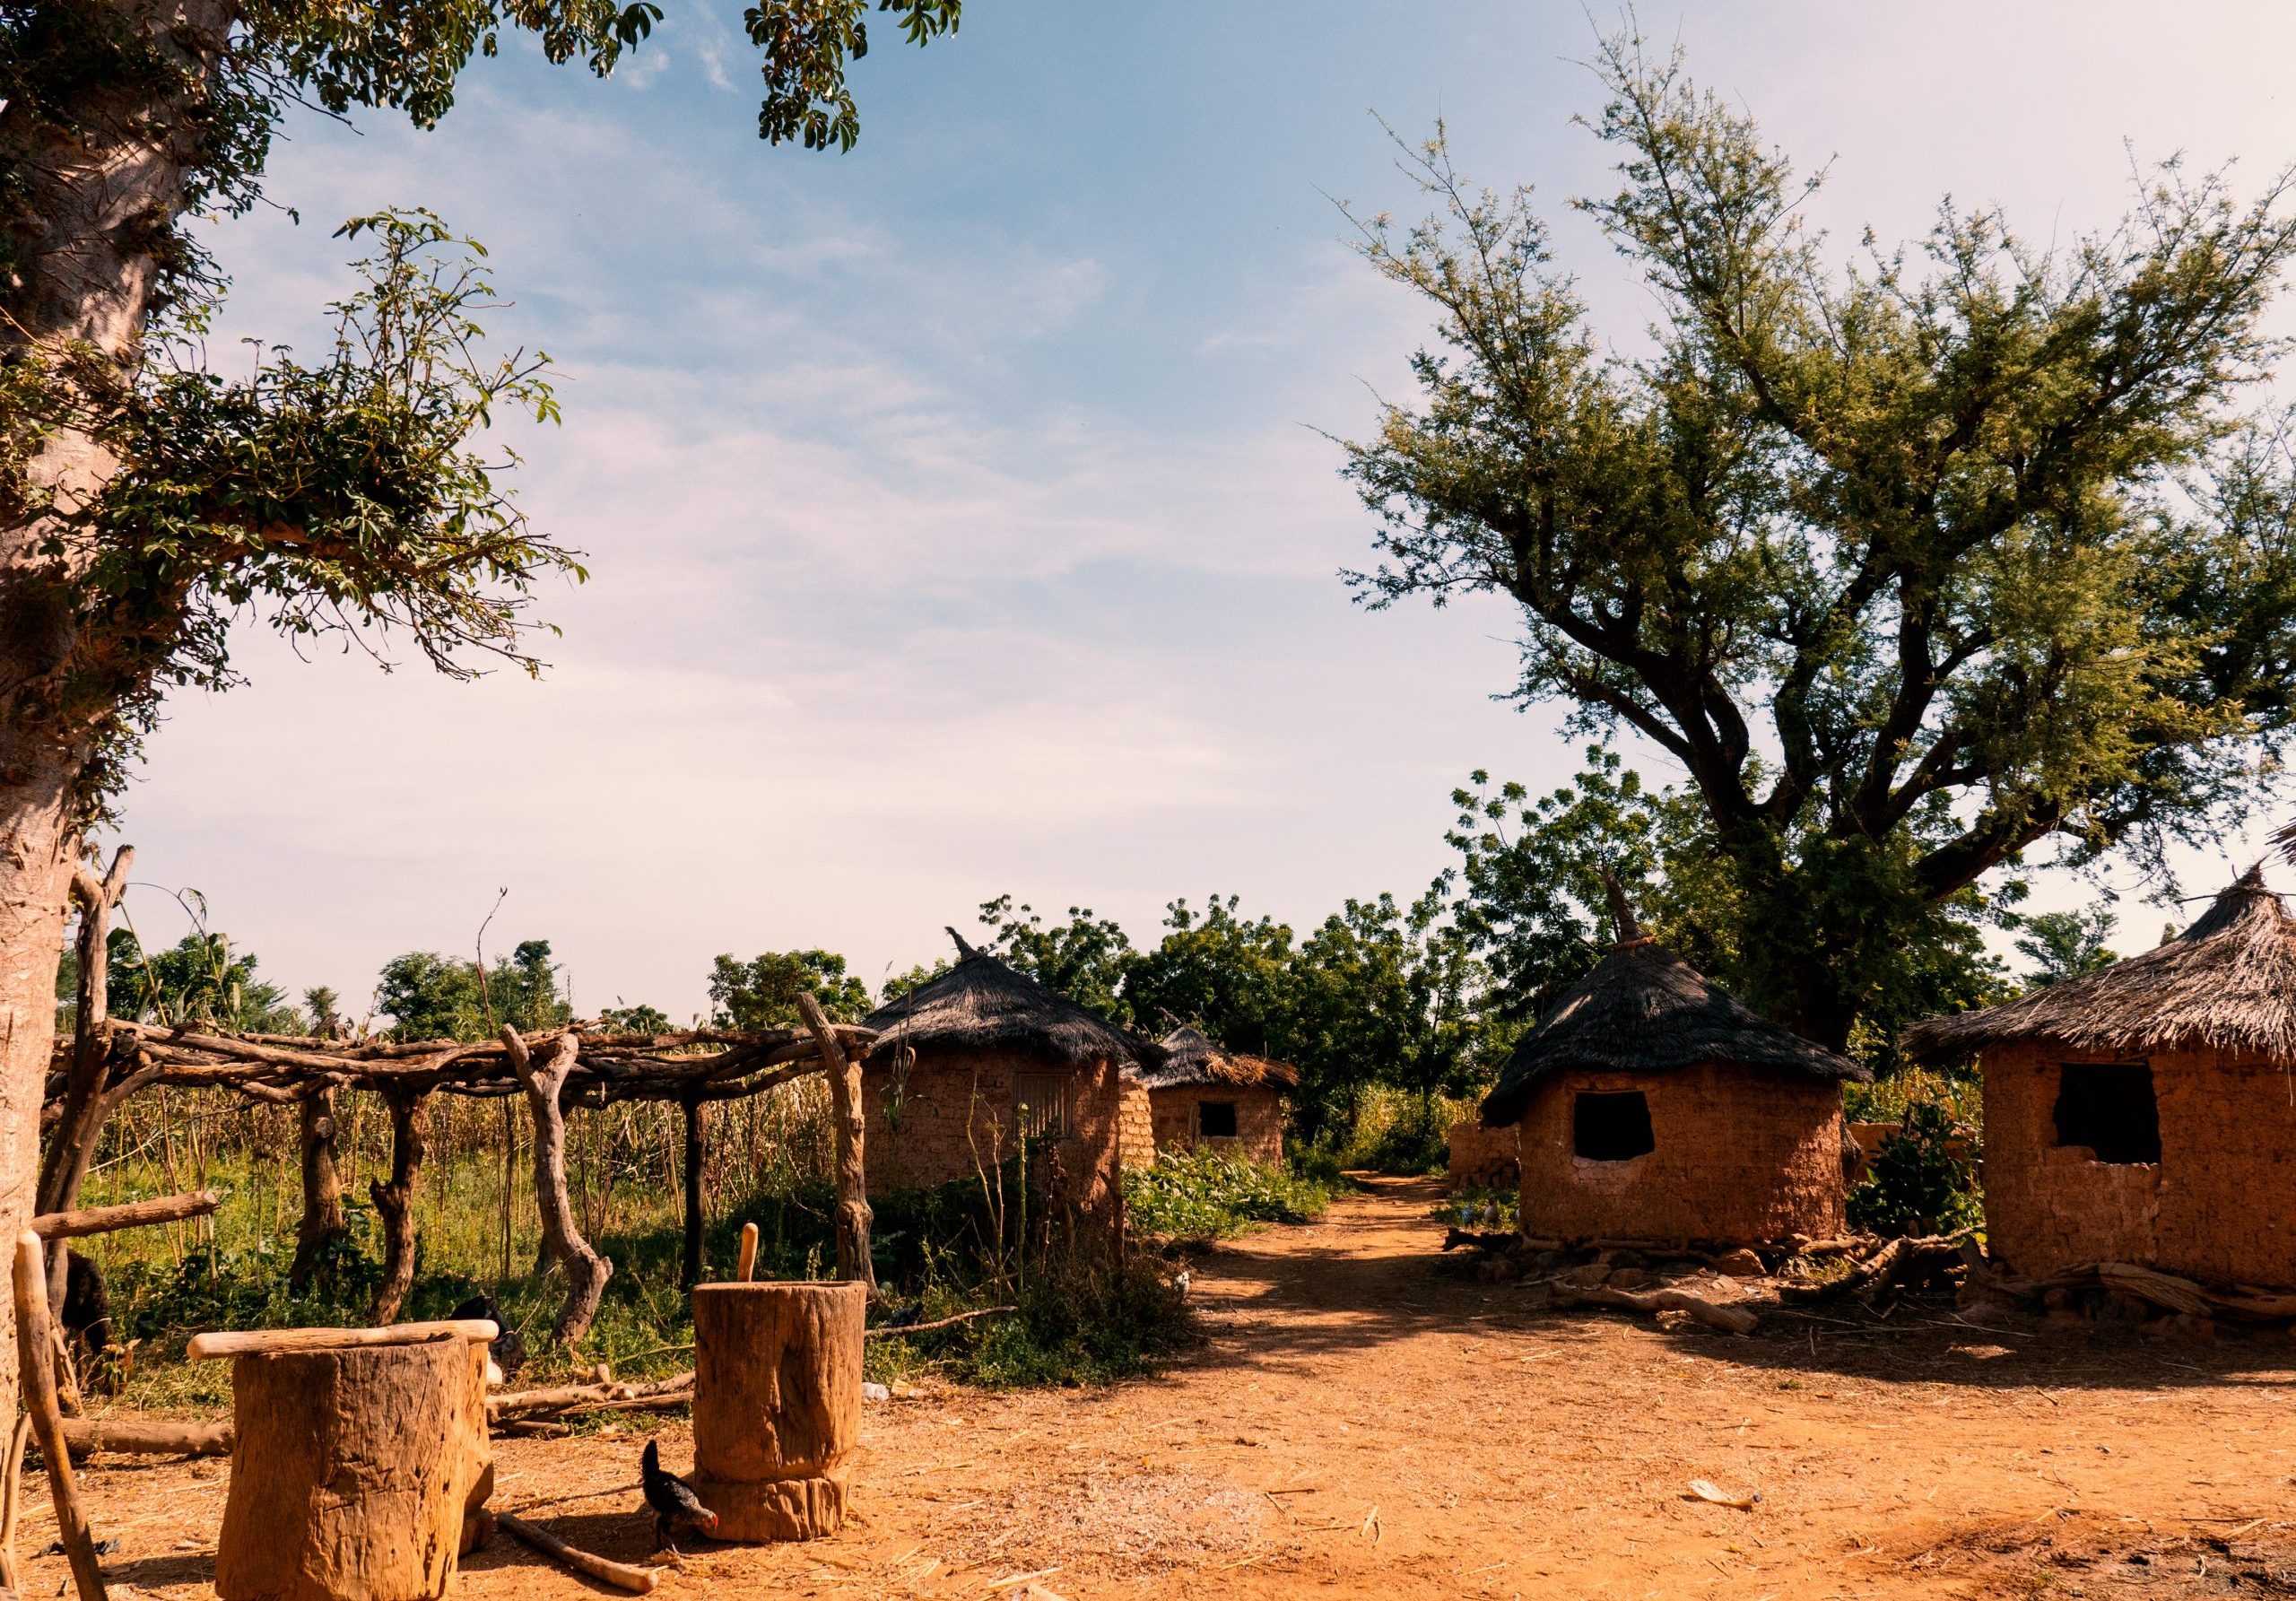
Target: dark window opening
1041 1103
2109 1108
1217 1119
1612 1126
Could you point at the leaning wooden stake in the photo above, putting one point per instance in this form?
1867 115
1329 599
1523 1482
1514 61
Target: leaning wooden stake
745 1263
38 1376
71 1148
853 1214
586 1272
10 1500
639 1581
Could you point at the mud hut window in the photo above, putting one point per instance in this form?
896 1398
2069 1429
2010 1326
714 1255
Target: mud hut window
2109 1108
1041 1106
1216 1119
1610 1126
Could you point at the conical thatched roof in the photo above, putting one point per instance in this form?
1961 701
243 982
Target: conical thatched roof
1644 1010
2226 983
982 1003
1191 1058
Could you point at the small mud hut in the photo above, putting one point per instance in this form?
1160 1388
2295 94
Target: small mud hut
1200 1096
1651 1106
968 1066
2142 1113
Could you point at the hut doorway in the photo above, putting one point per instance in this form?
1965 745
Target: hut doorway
2109 1108
1610 1126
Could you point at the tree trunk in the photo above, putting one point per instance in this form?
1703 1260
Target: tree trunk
854 1216
586 1272
689 1272
395 1203
323 1221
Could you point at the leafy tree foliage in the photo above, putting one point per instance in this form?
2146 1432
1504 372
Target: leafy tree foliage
430 997
200 980
2065 944
640 1019
1228 975
1085 958
762 992
1911 566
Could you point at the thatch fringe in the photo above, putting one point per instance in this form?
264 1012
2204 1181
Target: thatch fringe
981 1003
2226 983
1191 1058
1644 1010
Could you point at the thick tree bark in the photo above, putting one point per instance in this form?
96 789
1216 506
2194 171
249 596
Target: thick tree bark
586 1272
690 1270
323 1221
395 1203
854 1216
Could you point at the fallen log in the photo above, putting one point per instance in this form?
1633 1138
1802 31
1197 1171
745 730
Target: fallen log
134 1214
1899 1260
147 1437
1730 1319
637 1581
590 1397
220 1343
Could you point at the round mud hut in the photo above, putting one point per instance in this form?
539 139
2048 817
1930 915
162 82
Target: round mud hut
1202 1097
969 1065
1649 1105
2142 1113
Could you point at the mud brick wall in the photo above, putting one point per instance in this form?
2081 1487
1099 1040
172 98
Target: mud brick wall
1737 1155
1259 1120
956 1116
1483 1157
1136 1127
2220 1204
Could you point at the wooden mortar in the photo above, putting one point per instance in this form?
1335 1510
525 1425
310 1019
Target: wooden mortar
777 1405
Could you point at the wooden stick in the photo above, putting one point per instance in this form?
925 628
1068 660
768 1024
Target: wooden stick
1731 1320
148 1437
745 1266
637 1581
8 1502
134 1214
38 1382
265 1342
909 1328
581 1397
854 1217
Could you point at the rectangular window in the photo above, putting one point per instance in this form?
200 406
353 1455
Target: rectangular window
1216 1119
1041 1105
1610 1126
2107 1107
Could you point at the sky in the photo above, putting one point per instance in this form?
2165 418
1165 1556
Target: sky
963 514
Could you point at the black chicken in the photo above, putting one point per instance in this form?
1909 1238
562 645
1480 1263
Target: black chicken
508 1347
675 1505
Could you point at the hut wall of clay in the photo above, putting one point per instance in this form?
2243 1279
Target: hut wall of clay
1483 1157
1737 1155
1135 1126
2220 1204
1260 1119
956 1114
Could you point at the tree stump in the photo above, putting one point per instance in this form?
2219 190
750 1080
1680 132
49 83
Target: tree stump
353 1472
777 1405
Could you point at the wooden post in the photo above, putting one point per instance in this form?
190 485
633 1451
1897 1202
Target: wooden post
395 1201
586 1271
853 1214
322 1222
351 1477
71 1148
690 1271
776 1405
36 1372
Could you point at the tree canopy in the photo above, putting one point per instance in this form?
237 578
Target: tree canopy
1912 565
762 992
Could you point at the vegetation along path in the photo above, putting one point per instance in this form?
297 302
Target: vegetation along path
1365 1419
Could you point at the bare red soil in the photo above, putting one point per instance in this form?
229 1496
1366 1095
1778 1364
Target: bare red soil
1365 1422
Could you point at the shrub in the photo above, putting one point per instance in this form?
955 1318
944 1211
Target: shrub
1917 1185
1204 1195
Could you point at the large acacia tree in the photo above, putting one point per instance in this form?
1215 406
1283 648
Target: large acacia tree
1912 565
146 503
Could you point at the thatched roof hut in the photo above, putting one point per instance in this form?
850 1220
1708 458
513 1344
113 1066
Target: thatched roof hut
2227 983
981 1004
1202 1095
1648 1104
2141 1113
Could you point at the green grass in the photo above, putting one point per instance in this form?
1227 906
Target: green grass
1203 1194
1475 1207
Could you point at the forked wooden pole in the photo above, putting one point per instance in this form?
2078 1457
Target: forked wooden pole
37 1376
854 1218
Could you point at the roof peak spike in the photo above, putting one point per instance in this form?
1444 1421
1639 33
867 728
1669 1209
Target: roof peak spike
964 952
1629 931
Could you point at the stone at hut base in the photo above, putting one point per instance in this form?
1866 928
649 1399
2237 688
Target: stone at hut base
2185 1325
1740 1264
777 1509
1587 1276
1628 1278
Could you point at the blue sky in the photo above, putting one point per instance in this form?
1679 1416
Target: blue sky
961 510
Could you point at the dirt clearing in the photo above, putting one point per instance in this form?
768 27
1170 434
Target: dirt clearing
1364 1423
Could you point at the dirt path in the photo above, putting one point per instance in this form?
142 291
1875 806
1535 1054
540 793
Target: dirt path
1365 1423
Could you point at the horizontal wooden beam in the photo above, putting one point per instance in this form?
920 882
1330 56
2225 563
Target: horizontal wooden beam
270 1341
131 1214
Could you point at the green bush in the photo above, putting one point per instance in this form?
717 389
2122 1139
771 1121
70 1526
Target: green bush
1916 1185
1204 1195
